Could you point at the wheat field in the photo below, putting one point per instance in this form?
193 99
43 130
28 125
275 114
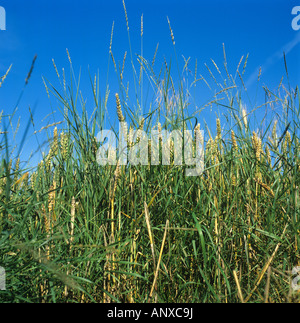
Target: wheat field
74 231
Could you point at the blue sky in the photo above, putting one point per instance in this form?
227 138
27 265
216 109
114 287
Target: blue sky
46 28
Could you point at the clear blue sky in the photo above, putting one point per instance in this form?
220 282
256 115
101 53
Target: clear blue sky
46 28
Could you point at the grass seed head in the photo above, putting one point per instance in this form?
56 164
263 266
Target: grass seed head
4 76
171 31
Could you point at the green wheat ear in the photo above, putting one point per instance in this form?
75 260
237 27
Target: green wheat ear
233 140
55 142
219 135
119 109
64 145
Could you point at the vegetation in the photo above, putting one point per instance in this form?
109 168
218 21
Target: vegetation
74 231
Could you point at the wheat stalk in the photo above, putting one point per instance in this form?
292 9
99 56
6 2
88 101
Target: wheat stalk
240 294
147 217
159 258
